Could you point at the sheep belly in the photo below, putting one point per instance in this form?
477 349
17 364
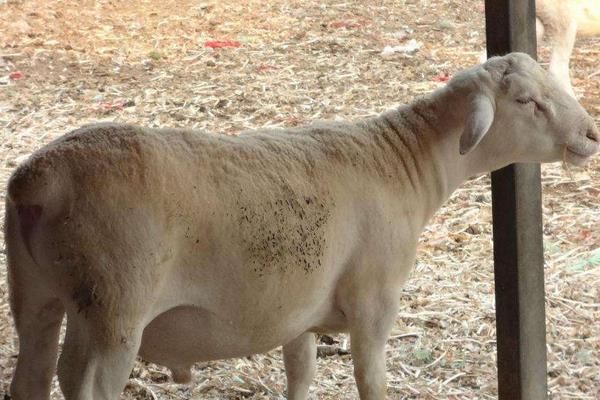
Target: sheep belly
184 335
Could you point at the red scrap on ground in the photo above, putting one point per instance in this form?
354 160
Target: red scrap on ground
15 75
218 44
266 68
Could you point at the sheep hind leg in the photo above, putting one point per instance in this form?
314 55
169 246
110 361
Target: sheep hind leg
95 364
38 327
300 358
38 316
181 374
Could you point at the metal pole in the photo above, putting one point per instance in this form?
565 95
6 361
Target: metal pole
518 247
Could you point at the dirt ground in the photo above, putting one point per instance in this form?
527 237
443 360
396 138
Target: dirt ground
67 63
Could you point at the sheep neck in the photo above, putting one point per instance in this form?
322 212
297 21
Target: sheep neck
430 129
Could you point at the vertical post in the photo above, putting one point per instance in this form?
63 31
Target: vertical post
518 248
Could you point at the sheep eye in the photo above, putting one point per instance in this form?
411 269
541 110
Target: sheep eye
538 106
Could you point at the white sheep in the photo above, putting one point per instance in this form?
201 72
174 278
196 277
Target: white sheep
184 247
560 21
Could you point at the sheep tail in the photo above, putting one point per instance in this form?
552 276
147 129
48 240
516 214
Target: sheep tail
35 192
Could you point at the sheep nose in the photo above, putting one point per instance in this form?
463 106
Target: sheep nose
593 134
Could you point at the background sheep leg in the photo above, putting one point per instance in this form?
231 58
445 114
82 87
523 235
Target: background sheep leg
539 31
562 47
300 358
92 367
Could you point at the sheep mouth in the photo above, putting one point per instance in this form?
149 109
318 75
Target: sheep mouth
578 156
586 149
582 148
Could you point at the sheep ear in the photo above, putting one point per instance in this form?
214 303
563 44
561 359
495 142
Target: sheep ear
480 115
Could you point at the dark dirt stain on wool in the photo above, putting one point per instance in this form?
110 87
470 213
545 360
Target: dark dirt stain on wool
85 296
285 232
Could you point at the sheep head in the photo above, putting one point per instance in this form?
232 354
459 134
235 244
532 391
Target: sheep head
516 107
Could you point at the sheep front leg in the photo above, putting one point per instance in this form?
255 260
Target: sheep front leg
369 331
300 359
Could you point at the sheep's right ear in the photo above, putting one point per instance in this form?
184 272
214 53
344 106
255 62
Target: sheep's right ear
479 118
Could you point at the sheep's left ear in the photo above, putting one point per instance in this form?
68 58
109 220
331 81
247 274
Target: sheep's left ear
480 115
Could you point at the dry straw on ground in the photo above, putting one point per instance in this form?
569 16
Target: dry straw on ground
66 63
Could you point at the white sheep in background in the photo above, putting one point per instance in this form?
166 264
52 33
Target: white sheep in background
560 21
183 246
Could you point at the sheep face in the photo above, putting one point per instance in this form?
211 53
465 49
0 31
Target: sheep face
517 108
